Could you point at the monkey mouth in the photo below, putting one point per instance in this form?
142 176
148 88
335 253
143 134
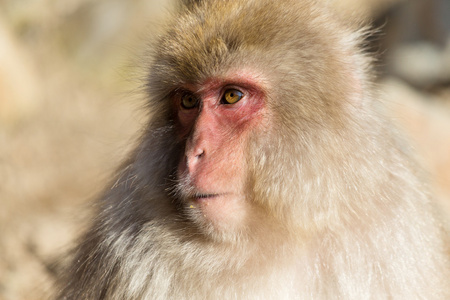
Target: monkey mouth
205 196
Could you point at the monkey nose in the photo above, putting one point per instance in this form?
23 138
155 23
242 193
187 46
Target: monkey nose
193 158
199 153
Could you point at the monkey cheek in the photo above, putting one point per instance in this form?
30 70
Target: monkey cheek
182 167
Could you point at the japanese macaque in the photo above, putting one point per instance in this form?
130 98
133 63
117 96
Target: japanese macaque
266 171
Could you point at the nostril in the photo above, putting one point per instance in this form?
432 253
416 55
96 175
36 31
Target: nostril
193 158
199 154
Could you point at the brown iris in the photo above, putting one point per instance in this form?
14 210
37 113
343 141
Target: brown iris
231 96
189 101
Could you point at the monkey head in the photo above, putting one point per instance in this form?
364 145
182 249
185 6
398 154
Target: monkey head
249 99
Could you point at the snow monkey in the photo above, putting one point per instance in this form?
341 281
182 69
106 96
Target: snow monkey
266 171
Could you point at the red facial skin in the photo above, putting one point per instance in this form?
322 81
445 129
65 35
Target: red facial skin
213 166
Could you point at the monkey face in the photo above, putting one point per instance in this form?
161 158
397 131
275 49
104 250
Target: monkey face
214 120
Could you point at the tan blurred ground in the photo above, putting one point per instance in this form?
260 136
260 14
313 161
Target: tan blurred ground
69 113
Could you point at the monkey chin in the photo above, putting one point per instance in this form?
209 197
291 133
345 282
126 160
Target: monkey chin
219 215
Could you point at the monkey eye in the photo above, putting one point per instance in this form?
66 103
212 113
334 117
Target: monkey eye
189 101
231 96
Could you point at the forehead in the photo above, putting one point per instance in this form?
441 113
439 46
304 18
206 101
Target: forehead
245 77
222 36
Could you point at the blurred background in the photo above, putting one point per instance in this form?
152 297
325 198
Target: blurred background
71 77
